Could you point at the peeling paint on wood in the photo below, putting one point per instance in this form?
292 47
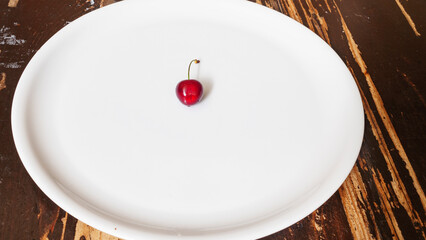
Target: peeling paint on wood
84 231
397 184
46 229
352 194
13 3
106 2
358 224
316 22
7 38
403 197
2 81
12 65
64 225
292 10
407 16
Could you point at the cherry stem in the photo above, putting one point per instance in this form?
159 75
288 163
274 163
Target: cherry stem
189 68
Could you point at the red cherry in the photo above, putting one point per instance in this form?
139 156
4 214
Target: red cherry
190 91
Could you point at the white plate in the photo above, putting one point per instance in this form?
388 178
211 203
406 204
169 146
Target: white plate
98 126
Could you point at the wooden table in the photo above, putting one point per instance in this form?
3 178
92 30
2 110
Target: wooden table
382 43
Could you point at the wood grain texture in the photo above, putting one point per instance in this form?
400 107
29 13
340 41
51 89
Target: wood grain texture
381 42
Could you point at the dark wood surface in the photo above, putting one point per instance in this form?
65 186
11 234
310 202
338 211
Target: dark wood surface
382 43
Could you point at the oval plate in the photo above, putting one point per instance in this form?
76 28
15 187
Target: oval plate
99 128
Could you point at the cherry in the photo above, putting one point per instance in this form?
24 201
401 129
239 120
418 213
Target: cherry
190 91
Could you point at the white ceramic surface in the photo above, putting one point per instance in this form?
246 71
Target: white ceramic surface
99 128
